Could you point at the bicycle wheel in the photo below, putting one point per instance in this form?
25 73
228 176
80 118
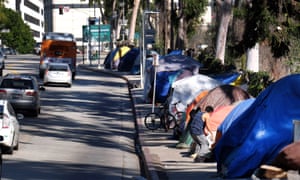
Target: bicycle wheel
170 121
152 121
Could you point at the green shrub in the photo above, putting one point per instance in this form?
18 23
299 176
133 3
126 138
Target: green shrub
257 82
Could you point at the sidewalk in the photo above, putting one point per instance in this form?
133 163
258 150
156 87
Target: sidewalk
160 158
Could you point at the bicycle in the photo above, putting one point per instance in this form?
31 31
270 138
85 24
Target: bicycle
160 119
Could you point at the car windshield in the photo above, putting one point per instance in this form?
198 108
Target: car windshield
58 68
16 84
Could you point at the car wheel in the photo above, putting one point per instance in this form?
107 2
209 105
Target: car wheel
9 150
16 146
35 112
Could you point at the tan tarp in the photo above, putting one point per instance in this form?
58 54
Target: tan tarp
223 95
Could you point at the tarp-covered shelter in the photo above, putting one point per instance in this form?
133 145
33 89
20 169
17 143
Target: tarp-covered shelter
112 60
127 61
235 113
258 134
170 69
223 95
187 89
227 78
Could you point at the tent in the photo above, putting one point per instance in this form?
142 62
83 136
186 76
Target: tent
122 51
257 135
227 78
170 69
187 89
223 95
112 60
237 111
127 61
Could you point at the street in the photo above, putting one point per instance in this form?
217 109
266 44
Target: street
83 132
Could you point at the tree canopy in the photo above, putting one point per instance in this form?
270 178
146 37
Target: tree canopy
19 36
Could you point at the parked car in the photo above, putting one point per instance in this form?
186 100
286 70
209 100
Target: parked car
23 92
10 51
2 61
58 73
9 127
37 48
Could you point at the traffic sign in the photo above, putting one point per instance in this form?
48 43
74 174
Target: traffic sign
99 33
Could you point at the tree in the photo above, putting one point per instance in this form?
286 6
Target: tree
133 20
226 14
275 26
2 15
19 36
179 21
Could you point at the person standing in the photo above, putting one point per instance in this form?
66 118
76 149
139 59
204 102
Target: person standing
197 133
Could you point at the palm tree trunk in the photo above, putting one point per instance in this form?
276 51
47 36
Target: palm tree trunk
133 20
226 8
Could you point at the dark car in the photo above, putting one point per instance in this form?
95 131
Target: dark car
23 92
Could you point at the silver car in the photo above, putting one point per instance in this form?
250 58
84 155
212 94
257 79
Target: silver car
58 73
23 92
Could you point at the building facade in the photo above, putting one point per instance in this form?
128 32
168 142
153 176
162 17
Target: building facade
32 12
69 16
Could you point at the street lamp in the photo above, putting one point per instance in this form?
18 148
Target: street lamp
155 64
143 46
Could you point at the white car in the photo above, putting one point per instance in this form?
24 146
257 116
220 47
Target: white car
58 73
9 127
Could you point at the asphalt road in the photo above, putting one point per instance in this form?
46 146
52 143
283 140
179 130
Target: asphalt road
83 132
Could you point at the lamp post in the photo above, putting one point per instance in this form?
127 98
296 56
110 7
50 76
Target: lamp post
143 46
155 64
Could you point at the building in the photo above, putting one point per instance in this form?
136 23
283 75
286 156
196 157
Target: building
69 16
32 12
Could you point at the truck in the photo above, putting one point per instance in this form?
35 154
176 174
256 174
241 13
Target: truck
58 48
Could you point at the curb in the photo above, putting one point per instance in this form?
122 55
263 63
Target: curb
145 156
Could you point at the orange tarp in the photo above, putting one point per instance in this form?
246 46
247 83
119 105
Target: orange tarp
193 104
217 117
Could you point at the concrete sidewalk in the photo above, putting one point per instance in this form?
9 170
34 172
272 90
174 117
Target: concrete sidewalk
161 160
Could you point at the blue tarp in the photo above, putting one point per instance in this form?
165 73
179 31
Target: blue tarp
226 78
170 69
125 63
109 57
258 134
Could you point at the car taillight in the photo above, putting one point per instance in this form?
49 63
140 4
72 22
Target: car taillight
5 121
30 93
2 91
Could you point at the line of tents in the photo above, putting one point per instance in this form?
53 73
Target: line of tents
253 131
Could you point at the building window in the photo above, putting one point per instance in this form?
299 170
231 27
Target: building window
32 6
31 19
36 33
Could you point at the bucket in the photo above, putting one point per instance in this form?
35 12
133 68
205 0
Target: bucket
296 130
